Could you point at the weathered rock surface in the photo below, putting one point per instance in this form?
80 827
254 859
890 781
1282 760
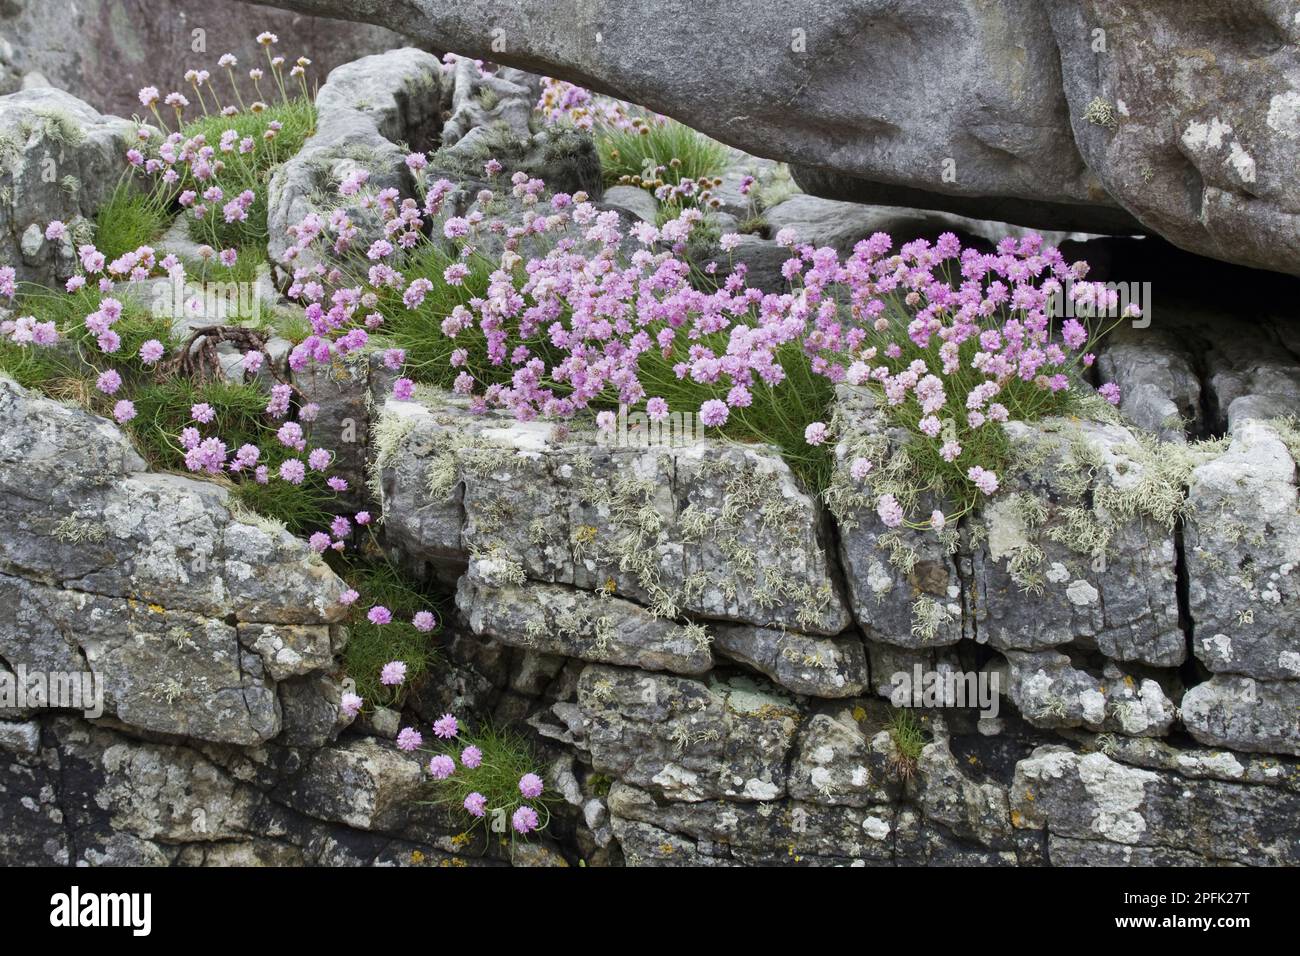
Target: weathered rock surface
1144 816
186 611
104 52
667 527
1242 551
59 159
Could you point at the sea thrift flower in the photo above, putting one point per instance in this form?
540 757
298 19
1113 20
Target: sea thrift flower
985 481
203 413
151 351
815 433
350 705
124 411
1110 392
403 389
393 673
379 615
475 803
293 471
860 468
349 597
524 820
109 382
714 413
423 621
409 739
446 727
441 767
890 511
530 785
471 756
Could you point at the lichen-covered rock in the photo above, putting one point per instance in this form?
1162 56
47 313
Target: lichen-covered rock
904 585
722 833
839 761
361 782
186 610
710 530
972 809
1091 797
60 159
1245 714
815 666
1050 692
1242 547
558 619
1074 549
687 739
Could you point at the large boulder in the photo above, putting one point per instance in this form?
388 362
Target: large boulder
1076 114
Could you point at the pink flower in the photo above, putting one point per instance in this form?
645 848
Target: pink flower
151 351
403 389
124 411
203 413
424 621
109 382
1110 392
890 511
530 785
349 597
441 767
657 409
393 673
714 413
524 820
859 468
471 756
476 804
409 739
815 433
985 481
293 471
446 727
350 705
937 520
379 615
319 542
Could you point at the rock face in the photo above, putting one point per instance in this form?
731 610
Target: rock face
186 613
963 108
59 159
106 50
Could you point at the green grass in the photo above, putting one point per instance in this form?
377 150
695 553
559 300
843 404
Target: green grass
909 738
371 646
507 756
681 151
778 414
129 219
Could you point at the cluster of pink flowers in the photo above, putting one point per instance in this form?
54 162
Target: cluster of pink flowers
564 102
524 820
937 328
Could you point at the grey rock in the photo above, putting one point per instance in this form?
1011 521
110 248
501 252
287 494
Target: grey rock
668 526
1050 692
1245 714
186 610
1159 388
720 833
61 160
361 782
840 761
555 619
635 200
1091 797
1242 548
686 739
1121 599
364 109
815 666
